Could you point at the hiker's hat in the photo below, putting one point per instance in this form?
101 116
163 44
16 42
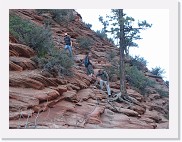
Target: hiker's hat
65 34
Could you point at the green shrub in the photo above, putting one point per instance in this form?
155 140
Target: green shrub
167 83
139 62
59 63
61 16
137 79
84 42
38 38
102 34
89 26
41 11
47 22
110 40
162 92
113 72
111 55
157 71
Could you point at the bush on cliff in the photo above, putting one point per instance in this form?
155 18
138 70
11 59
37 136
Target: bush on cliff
137 79
113 70
157 71
61 16
102 34
57 64
88 25
139 62
36 37
84 42
40 39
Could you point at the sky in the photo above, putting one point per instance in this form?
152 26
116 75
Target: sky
154 45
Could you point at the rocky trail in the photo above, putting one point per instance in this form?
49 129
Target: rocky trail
38 100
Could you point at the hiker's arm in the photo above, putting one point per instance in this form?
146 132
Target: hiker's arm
71 43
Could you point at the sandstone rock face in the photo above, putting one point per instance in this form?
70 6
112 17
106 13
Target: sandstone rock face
24 63
22 50
38 99
14 67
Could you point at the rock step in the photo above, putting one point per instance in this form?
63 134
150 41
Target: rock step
20 50
32 96
22 114
30 79
21 63
24 99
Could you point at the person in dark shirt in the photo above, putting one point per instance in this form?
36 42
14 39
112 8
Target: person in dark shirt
104 78
68 44
88 65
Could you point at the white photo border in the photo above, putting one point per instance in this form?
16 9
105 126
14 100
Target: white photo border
171 133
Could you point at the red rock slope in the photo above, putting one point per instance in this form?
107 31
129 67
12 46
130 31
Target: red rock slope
40 101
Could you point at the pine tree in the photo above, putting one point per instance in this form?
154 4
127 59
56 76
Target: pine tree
121 26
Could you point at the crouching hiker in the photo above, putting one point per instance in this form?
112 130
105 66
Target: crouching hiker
88 65
104 78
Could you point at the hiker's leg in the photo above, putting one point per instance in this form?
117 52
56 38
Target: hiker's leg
108 89
65 47
101 84
87 71
70 51
90 70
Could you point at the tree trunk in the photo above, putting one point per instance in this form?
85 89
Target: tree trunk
122 56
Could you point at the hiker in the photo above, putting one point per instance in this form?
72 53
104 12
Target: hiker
88 65
68 44
104 78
